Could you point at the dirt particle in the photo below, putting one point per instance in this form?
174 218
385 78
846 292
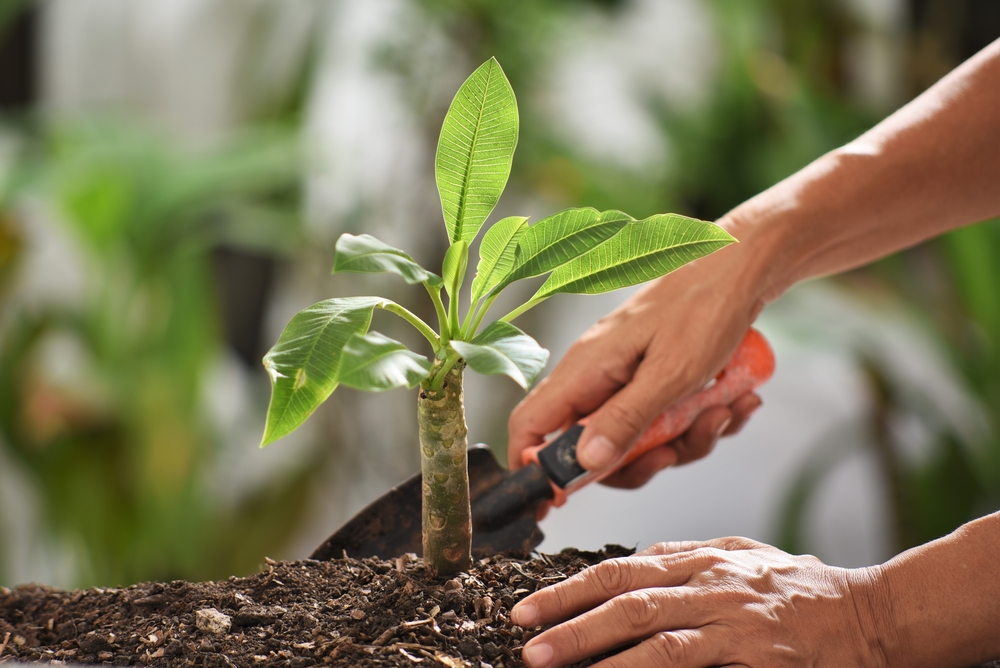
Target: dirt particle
210 620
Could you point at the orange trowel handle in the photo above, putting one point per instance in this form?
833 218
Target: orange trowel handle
751 365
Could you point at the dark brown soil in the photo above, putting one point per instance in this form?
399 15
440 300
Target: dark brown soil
295 614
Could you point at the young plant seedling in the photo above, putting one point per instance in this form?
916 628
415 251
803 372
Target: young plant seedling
582 251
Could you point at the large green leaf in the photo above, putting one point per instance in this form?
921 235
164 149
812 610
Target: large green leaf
367 255
502 348
475 150
641 251
303 363
558 239
496 254
375 363
456 262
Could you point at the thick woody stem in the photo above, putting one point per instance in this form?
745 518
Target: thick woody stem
447 514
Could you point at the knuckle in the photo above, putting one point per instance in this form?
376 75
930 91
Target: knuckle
671 648
576 639
626 414
613 576
639 610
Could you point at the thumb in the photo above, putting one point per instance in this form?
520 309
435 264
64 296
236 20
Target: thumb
615 426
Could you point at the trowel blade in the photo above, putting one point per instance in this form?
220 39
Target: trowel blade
390 526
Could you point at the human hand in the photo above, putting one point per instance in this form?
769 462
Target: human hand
697 604
666 342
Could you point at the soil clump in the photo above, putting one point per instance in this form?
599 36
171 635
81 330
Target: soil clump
347 612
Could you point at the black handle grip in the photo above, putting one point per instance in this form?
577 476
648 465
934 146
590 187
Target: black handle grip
558 458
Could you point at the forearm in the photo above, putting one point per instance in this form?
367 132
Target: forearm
932 166
937 604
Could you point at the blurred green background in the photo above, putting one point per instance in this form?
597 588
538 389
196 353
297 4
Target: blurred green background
173 177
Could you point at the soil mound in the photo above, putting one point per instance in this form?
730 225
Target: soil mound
348 612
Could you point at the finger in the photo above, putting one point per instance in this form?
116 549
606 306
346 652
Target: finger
742 408
700 438
542 412
616 425
638 473
697 443
582 381
627 618
684 648
729 544
602 582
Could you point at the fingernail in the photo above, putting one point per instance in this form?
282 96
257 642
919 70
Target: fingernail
537 656
722 427
525 614
596 454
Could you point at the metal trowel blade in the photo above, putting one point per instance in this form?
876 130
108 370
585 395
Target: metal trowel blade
390 526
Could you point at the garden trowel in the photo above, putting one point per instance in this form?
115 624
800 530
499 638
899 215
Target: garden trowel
505 504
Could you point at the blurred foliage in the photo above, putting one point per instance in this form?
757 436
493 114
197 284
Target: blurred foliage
950 285
101 396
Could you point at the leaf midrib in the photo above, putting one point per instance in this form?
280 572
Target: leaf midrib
460 222
634 259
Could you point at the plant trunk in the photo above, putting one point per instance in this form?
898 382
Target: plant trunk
447 514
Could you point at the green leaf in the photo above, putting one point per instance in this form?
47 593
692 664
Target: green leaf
364 254
558 239
303 363
641 251
502 348
456 263
376 363
496 254
475 150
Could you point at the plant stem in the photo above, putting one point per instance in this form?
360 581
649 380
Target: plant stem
471 332
447 514
468 319
442 316
437 381
421 326
522 308
453 315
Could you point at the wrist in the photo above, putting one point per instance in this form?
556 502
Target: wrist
761 255
872 600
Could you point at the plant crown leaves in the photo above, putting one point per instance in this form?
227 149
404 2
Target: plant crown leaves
502 348
303 363
558 239
375 363
496 254
475 150
583 251
365 254
641 251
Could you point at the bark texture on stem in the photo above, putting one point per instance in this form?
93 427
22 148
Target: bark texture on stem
447 513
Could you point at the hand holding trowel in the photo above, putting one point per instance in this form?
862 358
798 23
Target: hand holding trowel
505 503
